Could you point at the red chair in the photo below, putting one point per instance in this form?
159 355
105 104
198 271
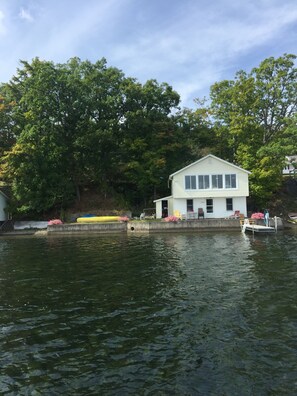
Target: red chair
235 215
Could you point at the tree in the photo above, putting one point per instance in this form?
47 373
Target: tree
80 124
252 114
65 114
7 124
149 138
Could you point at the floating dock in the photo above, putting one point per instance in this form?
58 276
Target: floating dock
251 226
255 228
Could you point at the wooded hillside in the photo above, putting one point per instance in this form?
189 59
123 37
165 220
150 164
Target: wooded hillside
82 126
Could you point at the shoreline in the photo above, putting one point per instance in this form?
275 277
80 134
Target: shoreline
142 226
154 226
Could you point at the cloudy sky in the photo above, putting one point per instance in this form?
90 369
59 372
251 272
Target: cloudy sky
189 44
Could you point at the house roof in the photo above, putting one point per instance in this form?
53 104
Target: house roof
161 199
204 158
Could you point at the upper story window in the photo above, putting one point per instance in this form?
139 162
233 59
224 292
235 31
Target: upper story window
217 181
203 182
190 182
230 181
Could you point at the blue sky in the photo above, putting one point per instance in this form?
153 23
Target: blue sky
190 44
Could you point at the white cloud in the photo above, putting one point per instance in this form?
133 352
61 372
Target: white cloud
25 14
71 31
2 25
206 43
190 45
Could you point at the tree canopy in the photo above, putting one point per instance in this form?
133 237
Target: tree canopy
69 126
254 117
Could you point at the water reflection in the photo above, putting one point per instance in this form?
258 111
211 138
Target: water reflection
170 314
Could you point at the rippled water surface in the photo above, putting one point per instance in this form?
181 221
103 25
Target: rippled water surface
182 314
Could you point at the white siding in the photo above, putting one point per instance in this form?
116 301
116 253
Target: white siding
2 207
158 204
210 166
219 206
158 209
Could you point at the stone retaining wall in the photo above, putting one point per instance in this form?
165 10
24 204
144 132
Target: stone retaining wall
185 225
91 227
148 226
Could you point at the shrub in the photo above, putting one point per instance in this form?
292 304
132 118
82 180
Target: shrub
257 216
171 219
55 222
124 218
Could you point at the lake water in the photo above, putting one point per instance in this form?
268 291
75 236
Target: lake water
171 314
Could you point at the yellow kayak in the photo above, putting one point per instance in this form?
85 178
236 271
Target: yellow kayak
97 219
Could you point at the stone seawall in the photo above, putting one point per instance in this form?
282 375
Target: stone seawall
104 228
147 226
190 225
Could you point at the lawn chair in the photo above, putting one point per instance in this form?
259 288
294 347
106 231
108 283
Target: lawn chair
200 213
177 214
236 215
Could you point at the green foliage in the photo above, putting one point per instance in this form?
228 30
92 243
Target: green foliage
67 127
70 126
254 121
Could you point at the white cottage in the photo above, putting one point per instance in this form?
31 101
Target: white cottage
3 204
209 188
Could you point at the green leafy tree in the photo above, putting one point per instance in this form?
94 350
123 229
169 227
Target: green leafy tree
251 116
148 140
66 115
8 128
77 125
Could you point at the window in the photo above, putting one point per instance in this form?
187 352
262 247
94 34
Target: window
217 181
203 182
229 203
209 205
190 182
190 205
230 181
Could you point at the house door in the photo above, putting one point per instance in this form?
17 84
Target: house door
164 208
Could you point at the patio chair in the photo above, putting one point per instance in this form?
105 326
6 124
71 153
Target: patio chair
200 213
235 215
190 216
177 213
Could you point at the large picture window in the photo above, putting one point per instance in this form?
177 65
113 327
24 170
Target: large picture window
190 182
217 181
203 182
230 181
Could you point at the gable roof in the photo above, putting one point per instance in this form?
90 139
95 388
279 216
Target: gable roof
162 199
204 158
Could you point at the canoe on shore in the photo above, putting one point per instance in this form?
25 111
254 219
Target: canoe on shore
97 219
